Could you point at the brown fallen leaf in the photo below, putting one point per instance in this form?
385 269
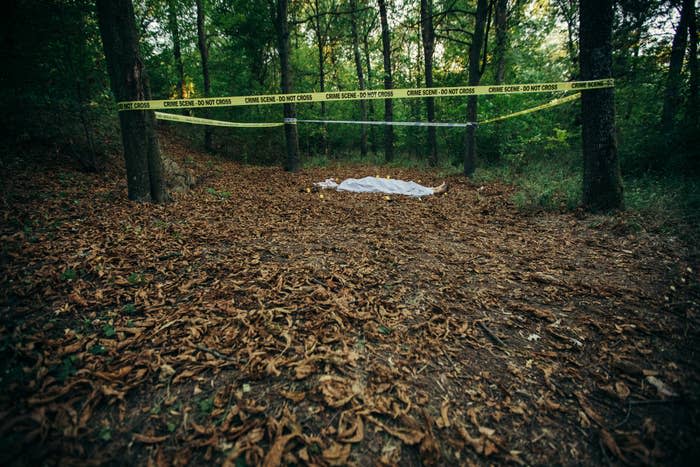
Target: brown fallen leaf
622 390
352 431
444 420
149 439
408 436
337 454
274 455
609 442
77 299
293 396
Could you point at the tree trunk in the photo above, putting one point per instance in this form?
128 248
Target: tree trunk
144 172
204 54
501 39
673 82
370 103
602 185
692 63
474 78
568 10
175 32
501 23
428 35
388 84
283 48
360 76
320 44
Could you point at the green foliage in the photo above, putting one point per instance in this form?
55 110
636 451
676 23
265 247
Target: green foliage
105 434
69 274
98 349
66 369
108 330
206 405
219 194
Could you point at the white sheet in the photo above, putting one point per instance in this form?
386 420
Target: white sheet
383 185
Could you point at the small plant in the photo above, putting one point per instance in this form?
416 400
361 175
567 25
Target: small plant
219 194
108 330
105 433
385 330
206 405
66 369
129 309
135 278
98 349
69 274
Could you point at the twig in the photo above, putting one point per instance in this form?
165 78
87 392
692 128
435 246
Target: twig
654 401
491 334
215 353
627 416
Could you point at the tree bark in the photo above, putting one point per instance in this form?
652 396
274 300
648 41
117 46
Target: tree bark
501 23
144 172
474 78
283 48
360 75
175 32
692 63
501 39
673 81
320 44
370 104
428 36
388 84
204 54
568 10
602 185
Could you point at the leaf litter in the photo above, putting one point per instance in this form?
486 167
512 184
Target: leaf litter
274 326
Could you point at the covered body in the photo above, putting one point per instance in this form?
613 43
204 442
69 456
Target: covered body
379 185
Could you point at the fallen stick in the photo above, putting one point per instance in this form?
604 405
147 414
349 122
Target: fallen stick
491 334
213 352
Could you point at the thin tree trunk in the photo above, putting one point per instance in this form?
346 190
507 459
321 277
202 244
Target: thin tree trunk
428 35
370 103
388 84
501 24
501 39
360 76
568 10
204 54
129 81
692 63
320 43
175 32
474 78
673 82
602 185
283 48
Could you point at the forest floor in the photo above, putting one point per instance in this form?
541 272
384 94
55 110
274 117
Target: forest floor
249 321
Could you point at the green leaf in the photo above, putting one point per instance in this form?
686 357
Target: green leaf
108 330
98 349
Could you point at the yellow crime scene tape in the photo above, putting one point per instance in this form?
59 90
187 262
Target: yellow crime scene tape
206 121
407 93
552 103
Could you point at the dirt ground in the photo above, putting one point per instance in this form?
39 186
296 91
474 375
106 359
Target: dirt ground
252 322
